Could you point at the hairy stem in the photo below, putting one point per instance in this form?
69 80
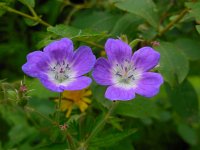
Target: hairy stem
171 24
70 141
98 128
91 43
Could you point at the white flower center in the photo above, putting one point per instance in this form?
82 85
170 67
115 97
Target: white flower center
125 75
60 71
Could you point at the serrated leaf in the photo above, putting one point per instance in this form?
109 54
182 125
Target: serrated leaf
198 28
143 8
111 138
138 108
174 65
74 33
190 47
184 100
30 3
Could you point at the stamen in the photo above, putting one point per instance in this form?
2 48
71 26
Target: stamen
130 76
118 74
125 72
60 71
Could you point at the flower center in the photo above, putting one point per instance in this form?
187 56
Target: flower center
60 71
124 72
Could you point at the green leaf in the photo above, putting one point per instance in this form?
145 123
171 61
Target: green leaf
127 21
195 9
188 134
99 94
190 47
174 65
42 43
74 33
143 8
30 3
198 28
111 139
184 100
88 19
195 81
138 108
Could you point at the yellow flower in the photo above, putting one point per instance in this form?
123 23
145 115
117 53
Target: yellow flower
77 98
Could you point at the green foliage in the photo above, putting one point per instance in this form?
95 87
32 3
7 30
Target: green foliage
73 33
30 3
142 107
184 100
198 28
174 65
111 139
188 134
190 47
143 8
195 9
169 120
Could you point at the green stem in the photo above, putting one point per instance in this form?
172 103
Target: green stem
32 11
97 129
171 24
70 141
91 43
58 108
34 18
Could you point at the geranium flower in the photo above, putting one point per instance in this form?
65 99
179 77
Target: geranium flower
126 74
59 68
71 99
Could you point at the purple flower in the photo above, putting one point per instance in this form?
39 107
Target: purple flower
59 68
126 74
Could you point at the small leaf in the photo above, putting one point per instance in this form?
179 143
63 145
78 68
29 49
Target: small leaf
30 3
174 65
111 138
184 100
143 8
